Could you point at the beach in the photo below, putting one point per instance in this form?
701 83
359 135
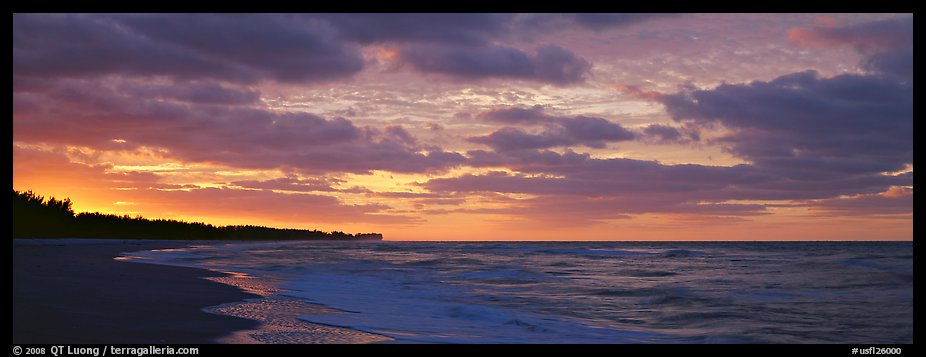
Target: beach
73 291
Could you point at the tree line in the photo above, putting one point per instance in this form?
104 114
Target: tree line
34 216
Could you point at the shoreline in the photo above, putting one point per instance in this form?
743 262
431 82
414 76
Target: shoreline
74 291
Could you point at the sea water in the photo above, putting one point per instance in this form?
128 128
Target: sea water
583 292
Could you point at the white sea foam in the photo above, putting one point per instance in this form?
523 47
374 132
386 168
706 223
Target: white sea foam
416 307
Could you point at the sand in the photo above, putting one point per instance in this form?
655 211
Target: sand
69 292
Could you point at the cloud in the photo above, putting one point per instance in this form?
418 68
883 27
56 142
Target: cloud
584 131
602 21
578 185
93 114
465 29
894 202
242 48
550 64
307 209
867 37
469 29
184 86
399 134
662 132
536 26
298 48
290 48
887 44
508 139
611 195
557 130
637 92
515 115
594 130
204 92
312 184
95 184
669 134
806 127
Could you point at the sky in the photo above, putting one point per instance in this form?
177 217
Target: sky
476 126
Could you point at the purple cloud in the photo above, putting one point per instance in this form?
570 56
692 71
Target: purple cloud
898 201
557 130
602 21
399 134
807 127
204 92
313 184
886 44
669 134
515 115
596 198
508 139
87 113
293 48
466 29
595 130
609 188
242 48
550 64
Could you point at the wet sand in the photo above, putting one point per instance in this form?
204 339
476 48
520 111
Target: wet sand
70 292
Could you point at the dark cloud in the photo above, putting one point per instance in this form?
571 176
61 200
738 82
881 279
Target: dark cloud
242 48
594 130
580 131
596 198
533 27
806 127
660 133
610 188
887 44
508 139
469 29
208 92
399 134
898 62
295 48
602 21
556 131
550 64
897 201
515 115
466 29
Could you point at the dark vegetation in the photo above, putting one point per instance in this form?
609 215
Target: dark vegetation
37 217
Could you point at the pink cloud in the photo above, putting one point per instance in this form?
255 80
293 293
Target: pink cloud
90 113
898 201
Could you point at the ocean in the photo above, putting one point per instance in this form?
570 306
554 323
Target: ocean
570 292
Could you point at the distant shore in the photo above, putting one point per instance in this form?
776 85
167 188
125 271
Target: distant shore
75 292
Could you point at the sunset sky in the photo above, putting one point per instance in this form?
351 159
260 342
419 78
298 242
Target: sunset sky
476 126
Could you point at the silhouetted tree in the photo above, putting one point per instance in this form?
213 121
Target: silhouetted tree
34 216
